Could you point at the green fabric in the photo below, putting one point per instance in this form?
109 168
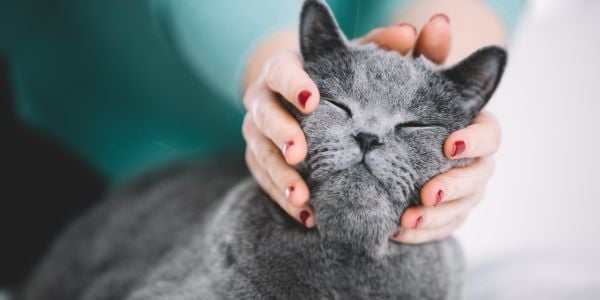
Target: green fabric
132 84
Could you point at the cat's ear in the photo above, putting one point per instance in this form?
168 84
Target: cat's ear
477 76
319 31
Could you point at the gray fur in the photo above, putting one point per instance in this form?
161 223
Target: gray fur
207 233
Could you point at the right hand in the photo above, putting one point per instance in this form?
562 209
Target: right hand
275 141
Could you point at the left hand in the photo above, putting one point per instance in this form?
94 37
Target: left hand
449 197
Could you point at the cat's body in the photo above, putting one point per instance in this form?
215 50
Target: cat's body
169 239
204 232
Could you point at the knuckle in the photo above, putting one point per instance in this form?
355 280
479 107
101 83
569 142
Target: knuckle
259 112
249 95
254 168
249 158
246 100
246 127
276 67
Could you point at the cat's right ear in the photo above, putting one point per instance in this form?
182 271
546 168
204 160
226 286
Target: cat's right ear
319 31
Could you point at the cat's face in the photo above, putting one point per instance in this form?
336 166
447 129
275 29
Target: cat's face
379 131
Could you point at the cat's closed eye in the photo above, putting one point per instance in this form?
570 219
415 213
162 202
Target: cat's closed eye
417 125
340 106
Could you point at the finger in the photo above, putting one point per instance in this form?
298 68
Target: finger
435 39
399 38
422 217
482 138
286 76
417 236
273 121
270 159
303 215
458 182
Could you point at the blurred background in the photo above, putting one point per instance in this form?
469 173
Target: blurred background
537 233
536 236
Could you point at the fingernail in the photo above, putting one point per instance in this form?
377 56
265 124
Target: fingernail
459 148
288 192
441 15
438 198
286 146
414 29
304 216
397 233
303 98
418 222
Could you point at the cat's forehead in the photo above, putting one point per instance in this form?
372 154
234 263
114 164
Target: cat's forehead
370 76
385 75
376 62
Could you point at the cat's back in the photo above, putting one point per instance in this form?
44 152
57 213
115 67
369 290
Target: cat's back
110 250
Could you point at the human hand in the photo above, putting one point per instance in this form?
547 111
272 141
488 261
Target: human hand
276 141
449 197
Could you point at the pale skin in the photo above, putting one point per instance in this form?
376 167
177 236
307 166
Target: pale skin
275 141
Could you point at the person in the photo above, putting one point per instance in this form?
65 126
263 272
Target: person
132 84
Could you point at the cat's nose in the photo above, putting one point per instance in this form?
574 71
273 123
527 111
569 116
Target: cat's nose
367 141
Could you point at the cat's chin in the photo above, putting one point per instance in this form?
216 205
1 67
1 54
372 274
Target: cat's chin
355 209
360 178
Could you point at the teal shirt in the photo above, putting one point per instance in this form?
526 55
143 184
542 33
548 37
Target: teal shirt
132 84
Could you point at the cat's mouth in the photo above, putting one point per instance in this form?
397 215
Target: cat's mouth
365 165
368 168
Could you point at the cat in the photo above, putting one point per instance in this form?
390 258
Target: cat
209 232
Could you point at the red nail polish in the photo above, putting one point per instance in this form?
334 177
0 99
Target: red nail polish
303 97
286 146
441 15
418 222
288 192
459 148
438 198
414 29
304 216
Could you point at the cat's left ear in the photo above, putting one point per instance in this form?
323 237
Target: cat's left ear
477 76
319 32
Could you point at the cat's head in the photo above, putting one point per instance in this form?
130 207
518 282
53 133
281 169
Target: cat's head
379 130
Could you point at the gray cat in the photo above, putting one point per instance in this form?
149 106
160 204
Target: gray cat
207 233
